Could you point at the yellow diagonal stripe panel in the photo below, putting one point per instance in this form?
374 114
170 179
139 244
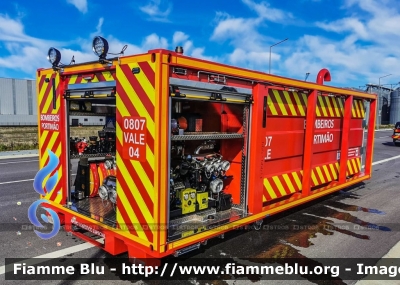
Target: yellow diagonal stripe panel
108 76
355 167
279 101
279 185
358 163
271 106
72 79
135 193
323 108
314 179
341 106
298 103
326 171
288 183
137 103
132 216
336 107
357 109
297 180
144 82
333 170
329 106
270 191
320 175
144 178
317 111
290 103
349 167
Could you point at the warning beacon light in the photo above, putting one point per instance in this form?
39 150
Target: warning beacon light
100 47
54 56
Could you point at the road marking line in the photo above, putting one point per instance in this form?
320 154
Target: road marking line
19 161
386 160
55 254
17 181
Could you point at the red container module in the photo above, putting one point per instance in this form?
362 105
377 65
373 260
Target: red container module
197 148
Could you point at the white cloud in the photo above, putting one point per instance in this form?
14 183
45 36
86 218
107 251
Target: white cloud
265 11
81 5
153 10
179 37
98 28
154 41
252 59
362 45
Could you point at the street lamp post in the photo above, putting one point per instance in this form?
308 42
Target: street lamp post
379 94
270 48
307 74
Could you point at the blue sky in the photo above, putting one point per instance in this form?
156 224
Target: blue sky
357 40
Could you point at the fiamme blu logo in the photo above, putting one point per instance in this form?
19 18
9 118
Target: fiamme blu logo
50 184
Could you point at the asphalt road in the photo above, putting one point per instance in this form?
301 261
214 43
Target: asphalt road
327 228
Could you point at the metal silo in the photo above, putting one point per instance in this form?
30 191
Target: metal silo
395 106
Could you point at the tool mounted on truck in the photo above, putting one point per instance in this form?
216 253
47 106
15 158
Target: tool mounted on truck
191 148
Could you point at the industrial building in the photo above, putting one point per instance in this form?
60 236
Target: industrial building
18 105
388 103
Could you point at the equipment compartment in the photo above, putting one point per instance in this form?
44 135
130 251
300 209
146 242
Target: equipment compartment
92 190
207 162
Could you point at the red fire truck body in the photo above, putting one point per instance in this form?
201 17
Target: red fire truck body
191 149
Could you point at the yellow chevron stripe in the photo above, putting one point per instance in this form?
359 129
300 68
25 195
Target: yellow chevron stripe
72 79
136 101
136 195
46 155
358 111
144 178
271 106
326 171
334 171
304 98
131 214
353 162
298 103
336 108
323 108
358 160
329 106
60 174
270 191
288 183
341 107
353 111
279 102
314 179
264 199
320 175
108 76
297 180
49 99
42 139
362 108
317 111
279 185
290 103
144 82
139 168
349 167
